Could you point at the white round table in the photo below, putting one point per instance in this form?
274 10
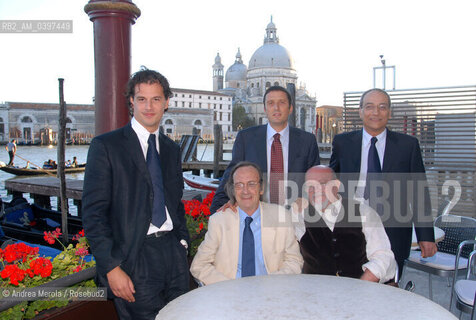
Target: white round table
301 297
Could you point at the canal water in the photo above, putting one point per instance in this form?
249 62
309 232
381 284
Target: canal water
37 155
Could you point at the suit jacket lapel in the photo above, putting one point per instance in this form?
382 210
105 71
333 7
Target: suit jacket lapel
356 152
234 234
261 148
294 149
390 155
133 148
267 236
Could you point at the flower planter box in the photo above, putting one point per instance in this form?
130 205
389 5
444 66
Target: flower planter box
81 310
103 310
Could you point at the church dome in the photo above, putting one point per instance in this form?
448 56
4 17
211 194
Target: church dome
237 71
271 53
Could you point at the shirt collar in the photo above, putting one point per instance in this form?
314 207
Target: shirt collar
254 216
366 136
142 132
270 132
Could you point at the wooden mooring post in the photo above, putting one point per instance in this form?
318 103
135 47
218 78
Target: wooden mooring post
61 163
218 149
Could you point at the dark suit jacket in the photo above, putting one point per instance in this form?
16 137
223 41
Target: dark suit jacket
118 195
402 162
250 145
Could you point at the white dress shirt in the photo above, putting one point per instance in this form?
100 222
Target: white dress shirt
380 145
284 138
381 259
143 136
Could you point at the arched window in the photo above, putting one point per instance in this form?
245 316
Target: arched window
276 83
26 119
197 123
268 84
168 121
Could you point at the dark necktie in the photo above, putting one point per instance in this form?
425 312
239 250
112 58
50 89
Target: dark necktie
373 166
248 250
155 171
276 171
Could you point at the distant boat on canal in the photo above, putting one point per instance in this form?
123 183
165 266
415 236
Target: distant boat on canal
40 171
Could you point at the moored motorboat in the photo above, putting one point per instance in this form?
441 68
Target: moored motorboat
199 182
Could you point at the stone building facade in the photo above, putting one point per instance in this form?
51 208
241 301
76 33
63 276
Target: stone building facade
38 122
179 121
218 103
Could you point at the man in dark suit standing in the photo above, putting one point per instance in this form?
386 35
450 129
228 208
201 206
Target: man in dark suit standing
376 155
133 216
282 152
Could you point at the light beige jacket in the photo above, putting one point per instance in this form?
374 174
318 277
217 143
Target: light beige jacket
217 257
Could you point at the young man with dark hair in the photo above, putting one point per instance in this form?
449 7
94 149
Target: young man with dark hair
133 215
282 152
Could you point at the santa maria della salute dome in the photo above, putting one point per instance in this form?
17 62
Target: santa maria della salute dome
271 64
271 53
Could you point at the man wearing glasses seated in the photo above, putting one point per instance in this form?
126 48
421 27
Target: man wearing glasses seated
258 240
338 236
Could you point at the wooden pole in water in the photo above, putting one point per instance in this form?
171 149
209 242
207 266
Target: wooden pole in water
218 150
61 163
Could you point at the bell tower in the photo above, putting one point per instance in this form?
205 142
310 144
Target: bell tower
217 74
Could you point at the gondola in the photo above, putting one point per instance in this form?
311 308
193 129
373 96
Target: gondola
28 222
37 171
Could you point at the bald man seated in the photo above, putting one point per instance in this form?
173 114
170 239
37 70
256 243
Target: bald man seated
253 241
338 236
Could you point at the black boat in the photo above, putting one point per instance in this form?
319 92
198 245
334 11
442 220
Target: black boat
28 222
39 171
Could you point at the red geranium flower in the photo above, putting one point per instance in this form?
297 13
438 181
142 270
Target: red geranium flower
77 269
79 235
13 272
41 266
81 252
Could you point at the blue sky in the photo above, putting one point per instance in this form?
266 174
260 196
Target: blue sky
334 44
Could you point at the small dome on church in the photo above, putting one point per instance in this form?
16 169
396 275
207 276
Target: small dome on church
238 70
271 53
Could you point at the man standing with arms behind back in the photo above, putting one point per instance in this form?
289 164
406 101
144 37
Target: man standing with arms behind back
281 151
376 152
133 215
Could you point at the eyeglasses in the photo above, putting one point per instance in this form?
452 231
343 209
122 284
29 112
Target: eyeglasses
382 107
250 185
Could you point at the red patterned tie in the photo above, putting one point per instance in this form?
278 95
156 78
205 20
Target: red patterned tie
276 171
